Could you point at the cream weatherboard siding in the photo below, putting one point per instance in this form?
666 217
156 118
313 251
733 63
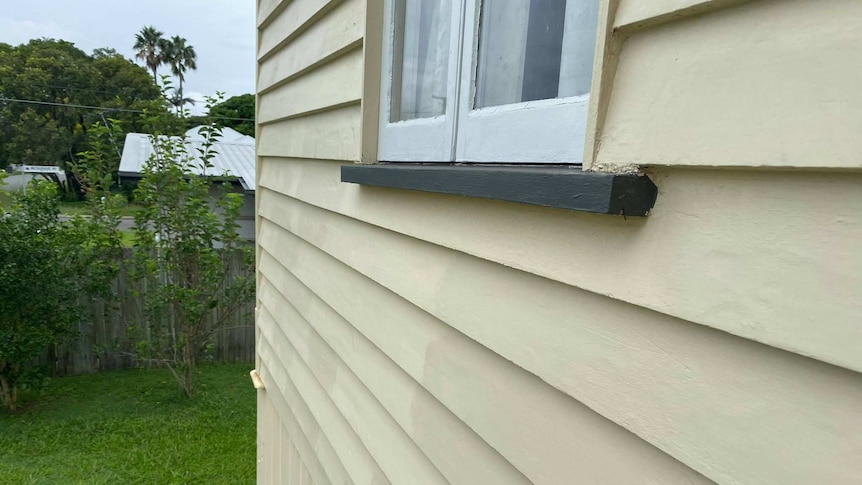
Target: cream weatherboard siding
754 84
406 337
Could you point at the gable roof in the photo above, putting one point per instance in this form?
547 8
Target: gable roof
234 155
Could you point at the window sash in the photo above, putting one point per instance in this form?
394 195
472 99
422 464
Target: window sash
541 131
429 139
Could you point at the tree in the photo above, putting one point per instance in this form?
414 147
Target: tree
105 52
181 57
37 138
177 101
57 74
241 109
47 81
186 248
125 86
48 266
41 267
150 47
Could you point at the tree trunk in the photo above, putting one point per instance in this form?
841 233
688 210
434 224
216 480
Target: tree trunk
188 374
7 394
182 101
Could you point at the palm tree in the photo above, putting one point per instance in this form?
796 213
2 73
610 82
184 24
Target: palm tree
181 58
178 102
150 47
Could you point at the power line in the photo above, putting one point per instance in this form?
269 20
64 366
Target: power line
18 83
48 103
103 108
64 88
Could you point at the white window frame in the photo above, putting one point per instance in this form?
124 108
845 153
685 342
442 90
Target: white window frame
534 132
421 139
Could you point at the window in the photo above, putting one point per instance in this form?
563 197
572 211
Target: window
493 81
486 81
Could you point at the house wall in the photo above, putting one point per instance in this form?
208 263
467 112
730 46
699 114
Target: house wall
408 337
749 84
246 219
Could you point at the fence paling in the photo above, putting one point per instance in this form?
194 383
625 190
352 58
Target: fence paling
103 343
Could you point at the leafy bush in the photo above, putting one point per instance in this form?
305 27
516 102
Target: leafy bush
186 240
42 277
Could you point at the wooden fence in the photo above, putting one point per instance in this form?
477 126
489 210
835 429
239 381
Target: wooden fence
103 341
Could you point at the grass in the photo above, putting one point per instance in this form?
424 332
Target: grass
71 208
127 239
5 200
134 427
82 207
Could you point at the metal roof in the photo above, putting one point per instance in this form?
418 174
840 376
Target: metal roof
234 155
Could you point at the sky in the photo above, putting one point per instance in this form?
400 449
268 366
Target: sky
221 31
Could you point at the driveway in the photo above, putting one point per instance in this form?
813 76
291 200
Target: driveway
14 183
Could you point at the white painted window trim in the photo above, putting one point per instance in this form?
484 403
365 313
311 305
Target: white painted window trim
543 131
424 139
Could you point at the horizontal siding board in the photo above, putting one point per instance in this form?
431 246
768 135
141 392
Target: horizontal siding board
760 255
333 134
547 435
632 14
385 440
315 448
729 408
272 400
459 453
289 21
340 30
761 84
265 9
336 83
285 365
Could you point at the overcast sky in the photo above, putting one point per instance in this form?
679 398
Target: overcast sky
221 31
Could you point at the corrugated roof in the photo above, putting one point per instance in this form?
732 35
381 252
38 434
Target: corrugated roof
228 135
234 155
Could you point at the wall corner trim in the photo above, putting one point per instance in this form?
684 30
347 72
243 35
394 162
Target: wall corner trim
560 186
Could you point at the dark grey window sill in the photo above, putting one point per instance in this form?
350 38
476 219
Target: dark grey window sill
564 187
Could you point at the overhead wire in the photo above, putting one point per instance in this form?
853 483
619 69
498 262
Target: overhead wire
103 108
61 87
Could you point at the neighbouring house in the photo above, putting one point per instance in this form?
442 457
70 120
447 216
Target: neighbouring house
560 242
234 159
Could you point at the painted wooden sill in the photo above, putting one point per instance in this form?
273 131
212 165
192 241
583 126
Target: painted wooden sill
564 187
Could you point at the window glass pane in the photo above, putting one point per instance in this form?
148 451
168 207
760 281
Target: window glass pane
534 49
421 58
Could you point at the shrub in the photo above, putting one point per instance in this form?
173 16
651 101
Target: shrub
186 241
42 268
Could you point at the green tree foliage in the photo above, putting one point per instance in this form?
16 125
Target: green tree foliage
103 52
41 276
96 170
150 47
186 246
181 57
62 77
43 70
49 267
241 106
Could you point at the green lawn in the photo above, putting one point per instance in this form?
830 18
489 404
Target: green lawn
82 207
127 239
134 427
